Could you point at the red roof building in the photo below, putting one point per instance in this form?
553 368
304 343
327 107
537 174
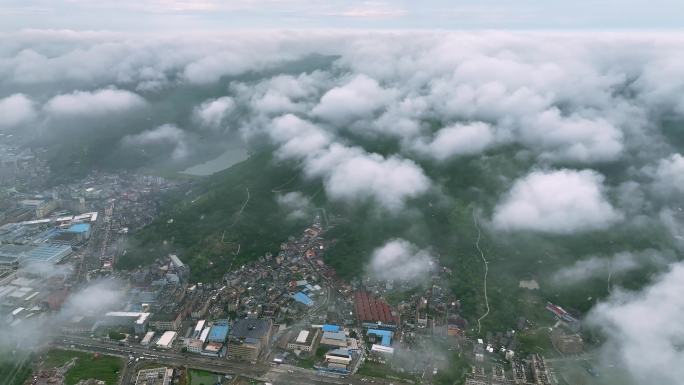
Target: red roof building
370 310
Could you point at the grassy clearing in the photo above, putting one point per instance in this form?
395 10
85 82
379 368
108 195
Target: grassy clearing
14 373
105 368
202 377
371 369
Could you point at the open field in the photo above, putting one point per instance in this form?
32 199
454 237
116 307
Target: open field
201 377
14 373
105 368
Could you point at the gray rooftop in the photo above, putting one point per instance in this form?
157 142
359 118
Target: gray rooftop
250 328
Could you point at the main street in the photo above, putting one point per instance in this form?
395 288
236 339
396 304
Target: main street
279 374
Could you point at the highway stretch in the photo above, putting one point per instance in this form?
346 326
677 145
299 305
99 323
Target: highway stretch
278 375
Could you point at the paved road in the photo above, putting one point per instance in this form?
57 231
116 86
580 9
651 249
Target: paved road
282 374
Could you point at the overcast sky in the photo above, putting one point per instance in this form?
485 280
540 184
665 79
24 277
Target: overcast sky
174 15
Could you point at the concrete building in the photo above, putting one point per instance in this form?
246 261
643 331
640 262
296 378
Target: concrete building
213 349
382 349
48 252
302 298
147 339
336 339
384 335
219 332
339 356
248 337
136 320
167 339
194 346
305 340
163 321
82 230
198 329
156 376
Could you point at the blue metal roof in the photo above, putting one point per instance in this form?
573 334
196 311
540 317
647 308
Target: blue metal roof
218 333
303 298
386 336
330 328
49 252
79 228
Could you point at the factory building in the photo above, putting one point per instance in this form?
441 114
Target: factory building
136 320
218 332
13 255
374 313
147 339
198 329
205 334
335 339
305 340
330 328
48 252
167 339
339 356
382 349
248 337
82 231
10 255
384 335
302 298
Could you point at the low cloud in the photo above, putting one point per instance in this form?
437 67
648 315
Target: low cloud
644 330
669 176
93 299
296 204
349 174
561 202
352 174
574 138
95 103
360 98
167 136
458 140
401 260
298 138
673 220
213 112
602 266
15 110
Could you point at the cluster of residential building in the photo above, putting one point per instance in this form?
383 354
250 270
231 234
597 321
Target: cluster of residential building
21 167
532 371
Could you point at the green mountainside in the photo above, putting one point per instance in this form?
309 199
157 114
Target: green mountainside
207 224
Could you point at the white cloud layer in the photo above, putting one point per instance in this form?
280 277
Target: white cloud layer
359 98
296 204
401 260
15 110
167 135
644 329
95 103
457 140
349 173
669 176
563 201
213 112
603 266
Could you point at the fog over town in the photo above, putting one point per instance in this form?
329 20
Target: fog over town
284 205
